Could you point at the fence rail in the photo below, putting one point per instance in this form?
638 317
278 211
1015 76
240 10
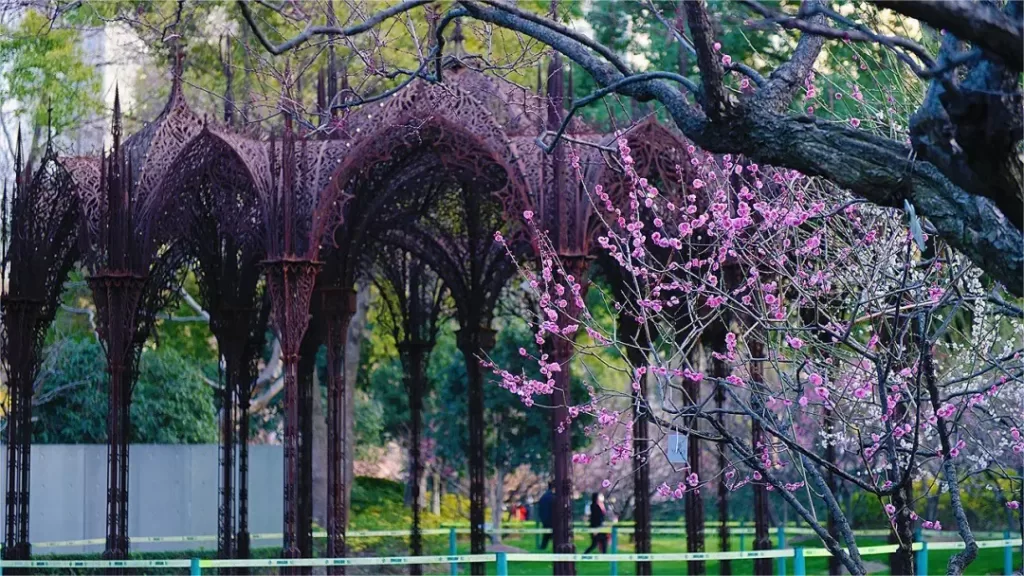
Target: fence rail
621 528
502 559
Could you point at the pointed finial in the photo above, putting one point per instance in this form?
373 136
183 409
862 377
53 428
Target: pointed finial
116 129
17 154
457 38
178 65
49 125
321 93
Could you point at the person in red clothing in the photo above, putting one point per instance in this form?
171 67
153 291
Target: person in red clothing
597 517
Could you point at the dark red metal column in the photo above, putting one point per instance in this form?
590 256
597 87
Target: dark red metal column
37 250
473 342
693 498
636 340
290 282
759 442
117 296
225 513
563 350
338 306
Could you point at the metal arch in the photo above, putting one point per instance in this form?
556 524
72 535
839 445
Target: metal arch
408 116
215 154
219 231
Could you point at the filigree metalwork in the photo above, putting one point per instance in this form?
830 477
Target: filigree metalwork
413 296
134 263
290 216
434 170
38 249
220 232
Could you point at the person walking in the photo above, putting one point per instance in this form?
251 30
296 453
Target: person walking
544 514
597 517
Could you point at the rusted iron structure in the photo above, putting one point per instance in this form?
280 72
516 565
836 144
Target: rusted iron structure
38 248
413 297
134 261
220 235
280 226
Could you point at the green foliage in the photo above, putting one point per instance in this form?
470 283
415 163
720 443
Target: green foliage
43 68
171 403
515 434
192 339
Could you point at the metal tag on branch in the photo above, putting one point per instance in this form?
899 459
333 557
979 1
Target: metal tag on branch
678 447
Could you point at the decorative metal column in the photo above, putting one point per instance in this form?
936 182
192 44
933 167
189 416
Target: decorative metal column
290 282
693 499
562 351
117 294
474 342
564 212
416 351
715 334
337 305
307 367
37 245
635 337
758 440
291 271
413 296
117 287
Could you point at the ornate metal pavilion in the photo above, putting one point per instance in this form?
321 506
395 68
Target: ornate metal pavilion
277 227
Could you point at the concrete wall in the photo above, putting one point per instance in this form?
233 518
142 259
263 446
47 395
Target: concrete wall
172 491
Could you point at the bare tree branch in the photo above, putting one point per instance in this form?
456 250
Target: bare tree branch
980 23
311 30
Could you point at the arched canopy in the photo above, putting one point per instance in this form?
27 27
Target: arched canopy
461 129
148 154
441 131
217 188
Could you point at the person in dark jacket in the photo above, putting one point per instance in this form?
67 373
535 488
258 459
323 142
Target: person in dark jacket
544 513
597 517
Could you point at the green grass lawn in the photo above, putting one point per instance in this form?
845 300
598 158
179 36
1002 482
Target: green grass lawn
989 561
